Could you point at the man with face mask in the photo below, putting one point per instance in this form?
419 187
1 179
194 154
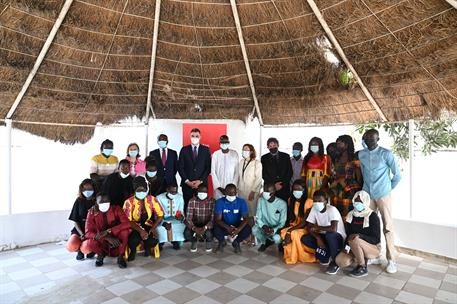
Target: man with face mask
166 160
378 164
194 166
277 169
224 167
231 216
103 164
118 186
172 228
326 231
199 219
271 216
296 161
107 232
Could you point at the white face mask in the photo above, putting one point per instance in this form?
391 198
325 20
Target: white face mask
123 175
202 195
319 206
195 140
266 195
314 149
246 154
224 146
298 194
230 198
103 207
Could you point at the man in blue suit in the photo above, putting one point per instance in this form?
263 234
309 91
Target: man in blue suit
194 166
166 160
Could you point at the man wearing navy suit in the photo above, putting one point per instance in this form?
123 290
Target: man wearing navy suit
166 160
194 166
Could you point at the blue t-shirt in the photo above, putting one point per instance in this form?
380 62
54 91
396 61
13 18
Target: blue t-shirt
232 212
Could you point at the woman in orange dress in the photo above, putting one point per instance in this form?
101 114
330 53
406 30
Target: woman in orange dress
298 209
316 167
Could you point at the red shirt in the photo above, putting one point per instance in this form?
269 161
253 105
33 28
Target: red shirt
115 219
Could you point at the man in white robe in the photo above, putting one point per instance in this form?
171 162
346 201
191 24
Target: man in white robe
224 167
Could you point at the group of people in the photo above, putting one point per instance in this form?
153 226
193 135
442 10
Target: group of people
321 206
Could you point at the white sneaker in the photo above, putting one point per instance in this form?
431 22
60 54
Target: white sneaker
391 267
375 261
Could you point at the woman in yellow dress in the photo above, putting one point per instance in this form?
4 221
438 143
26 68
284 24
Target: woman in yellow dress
316 167
298 210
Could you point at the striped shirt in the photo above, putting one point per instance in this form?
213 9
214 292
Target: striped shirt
102 165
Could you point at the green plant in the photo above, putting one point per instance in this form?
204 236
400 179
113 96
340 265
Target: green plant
429 135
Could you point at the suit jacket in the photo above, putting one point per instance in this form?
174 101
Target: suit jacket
194 170
171 165
277 170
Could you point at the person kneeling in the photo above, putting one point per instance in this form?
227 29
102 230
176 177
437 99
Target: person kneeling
327 232
271 215
145 214
199 219
107 232
231 217
364 236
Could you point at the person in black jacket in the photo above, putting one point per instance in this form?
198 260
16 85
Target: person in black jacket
364 236
277 169
119 185
194 166
166 160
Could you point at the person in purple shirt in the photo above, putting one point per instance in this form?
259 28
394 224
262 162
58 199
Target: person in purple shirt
231 218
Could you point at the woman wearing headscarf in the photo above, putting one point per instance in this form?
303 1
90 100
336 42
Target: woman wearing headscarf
364 236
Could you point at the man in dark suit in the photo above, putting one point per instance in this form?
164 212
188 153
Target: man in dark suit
276 169
166 160
194 166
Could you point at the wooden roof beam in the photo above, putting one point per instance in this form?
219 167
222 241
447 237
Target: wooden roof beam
40 58
236 17
155 35
340 51
453 3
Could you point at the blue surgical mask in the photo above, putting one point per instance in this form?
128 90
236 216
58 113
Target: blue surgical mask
133 153
123 175
141 194
314 149
364 145
88 193
151 173
225 146
266 195
171 196
298 194
107 152
296 153
359 206
162 144
319 206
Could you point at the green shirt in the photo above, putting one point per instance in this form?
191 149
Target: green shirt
273 214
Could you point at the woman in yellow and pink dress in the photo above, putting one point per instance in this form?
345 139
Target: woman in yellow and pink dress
316 167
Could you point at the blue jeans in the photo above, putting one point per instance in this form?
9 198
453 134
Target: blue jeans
333 243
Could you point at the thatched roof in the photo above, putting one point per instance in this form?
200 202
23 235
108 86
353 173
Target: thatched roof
97 68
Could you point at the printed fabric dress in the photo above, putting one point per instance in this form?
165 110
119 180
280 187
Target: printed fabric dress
295 252
314 172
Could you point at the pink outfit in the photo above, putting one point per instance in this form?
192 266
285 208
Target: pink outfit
139 168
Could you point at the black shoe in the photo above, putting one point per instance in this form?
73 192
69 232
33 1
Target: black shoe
220 247
267 244
132 255
99 260
90 255
80 256
332 268
359 271
280 248
236 247
121 262
176 245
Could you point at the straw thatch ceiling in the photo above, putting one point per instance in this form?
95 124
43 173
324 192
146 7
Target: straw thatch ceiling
97 68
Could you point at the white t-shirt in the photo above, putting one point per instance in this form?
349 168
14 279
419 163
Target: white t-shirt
325 219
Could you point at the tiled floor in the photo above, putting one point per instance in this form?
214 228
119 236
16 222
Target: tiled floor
49 274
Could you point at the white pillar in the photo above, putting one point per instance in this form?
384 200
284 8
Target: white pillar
146 133
411 127
8 164
260 140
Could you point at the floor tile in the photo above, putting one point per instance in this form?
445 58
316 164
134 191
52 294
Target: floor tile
317 284
164 286
264 294
288 299
204 271
343 291
203 286
238 270
245 299
279 284
124 287
242 285
223 294
182 295
326 298
446 296
370 298
411 298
